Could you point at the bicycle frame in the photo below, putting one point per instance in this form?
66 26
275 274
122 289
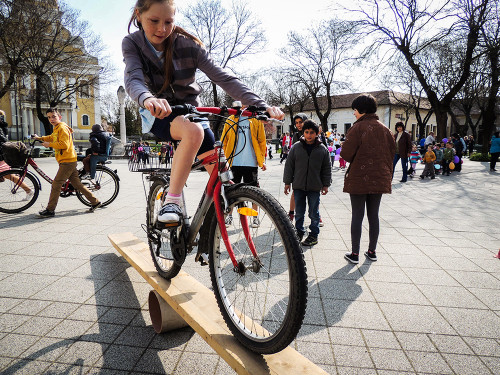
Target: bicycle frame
214 192
38 170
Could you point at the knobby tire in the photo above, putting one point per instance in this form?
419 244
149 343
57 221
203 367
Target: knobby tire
263 307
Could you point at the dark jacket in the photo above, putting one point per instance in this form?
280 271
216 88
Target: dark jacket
98 142
404 144
370 148
308 172
3 137
296 136
144 75
459 147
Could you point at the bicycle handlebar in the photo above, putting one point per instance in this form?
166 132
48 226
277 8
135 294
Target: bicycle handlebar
252 111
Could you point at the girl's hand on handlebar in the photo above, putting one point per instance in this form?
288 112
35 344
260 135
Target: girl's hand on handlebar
159 108
275 112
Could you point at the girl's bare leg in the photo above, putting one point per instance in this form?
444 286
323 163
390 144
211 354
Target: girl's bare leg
191 135
15 179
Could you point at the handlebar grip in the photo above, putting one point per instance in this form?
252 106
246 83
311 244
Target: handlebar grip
183 109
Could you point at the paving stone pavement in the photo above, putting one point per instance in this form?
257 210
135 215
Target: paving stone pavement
69 304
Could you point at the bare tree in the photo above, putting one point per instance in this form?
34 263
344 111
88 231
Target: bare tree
416 28
284 90
490 42
14 45
472 97
228 34
314 57
402 76
62 56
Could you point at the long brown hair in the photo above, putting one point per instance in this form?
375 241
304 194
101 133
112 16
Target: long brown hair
168 44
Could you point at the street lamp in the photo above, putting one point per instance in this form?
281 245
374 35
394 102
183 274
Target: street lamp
121 100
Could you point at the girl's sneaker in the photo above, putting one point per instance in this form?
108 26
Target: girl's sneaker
170 213
372 255
352 257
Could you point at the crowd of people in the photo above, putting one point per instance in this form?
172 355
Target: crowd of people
373 153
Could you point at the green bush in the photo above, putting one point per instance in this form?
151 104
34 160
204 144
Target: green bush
477 156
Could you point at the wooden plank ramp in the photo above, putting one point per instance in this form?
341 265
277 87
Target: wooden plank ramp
197 305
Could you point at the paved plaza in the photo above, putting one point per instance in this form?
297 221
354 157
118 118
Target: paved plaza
70 304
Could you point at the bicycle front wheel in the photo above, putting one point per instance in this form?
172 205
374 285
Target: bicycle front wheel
263 301
13 191
160 241
105 186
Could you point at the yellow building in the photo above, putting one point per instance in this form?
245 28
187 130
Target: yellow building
80 110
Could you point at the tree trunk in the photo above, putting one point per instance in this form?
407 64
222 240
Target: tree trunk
216 97
489 114
8 84
38 100
442 122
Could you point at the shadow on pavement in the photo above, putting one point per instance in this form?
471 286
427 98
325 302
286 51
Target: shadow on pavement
119 341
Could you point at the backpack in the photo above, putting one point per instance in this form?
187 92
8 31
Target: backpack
108 145
15 153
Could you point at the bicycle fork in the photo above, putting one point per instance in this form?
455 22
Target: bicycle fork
238 267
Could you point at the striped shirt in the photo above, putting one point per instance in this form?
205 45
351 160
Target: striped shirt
144 74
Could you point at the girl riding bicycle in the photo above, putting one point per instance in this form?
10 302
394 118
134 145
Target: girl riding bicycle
161 61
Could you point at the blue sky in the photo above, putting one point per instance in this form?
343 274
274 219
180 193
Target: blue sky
109 19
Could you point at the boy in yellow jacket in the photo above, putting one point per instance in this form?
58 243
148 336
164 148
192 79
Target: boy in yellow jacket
61 140
244 144
429 159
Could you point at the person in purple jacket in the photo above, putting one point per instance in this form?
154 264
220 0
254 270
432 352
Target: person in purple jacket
161 60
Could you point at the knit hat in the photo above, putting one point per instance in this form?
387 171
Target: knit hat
97 128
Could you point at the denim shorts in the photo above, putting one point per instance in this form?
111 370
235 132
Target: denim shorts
161 129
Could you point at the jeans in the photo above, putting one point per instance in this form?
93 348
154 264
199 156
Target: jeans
358 202
404 164
94 159
300 210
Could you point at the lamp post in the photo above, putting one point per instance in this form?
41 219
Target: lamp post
121 99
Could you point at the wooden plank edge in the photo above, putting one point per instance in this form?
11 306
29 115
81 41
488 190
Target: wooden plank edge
213 330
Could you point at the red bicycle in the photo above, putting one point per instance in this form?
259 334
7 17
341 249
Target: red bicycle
256 262
16 182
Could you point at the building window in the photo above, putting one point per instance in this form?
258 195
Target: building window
85 120
346 128
84 90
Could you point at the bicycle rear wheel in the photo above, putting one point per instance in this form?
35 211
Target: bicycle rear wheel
160 241
105 188
263 303
13 198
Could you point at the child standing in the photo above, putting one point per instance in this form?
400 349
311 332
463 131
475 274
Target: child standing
308 169
448 155
342 162
414 158
439 157
429 159
331 150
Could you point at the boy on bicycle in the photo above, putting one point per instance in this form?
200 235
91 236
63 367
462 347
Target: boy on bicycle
61 140
98 149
